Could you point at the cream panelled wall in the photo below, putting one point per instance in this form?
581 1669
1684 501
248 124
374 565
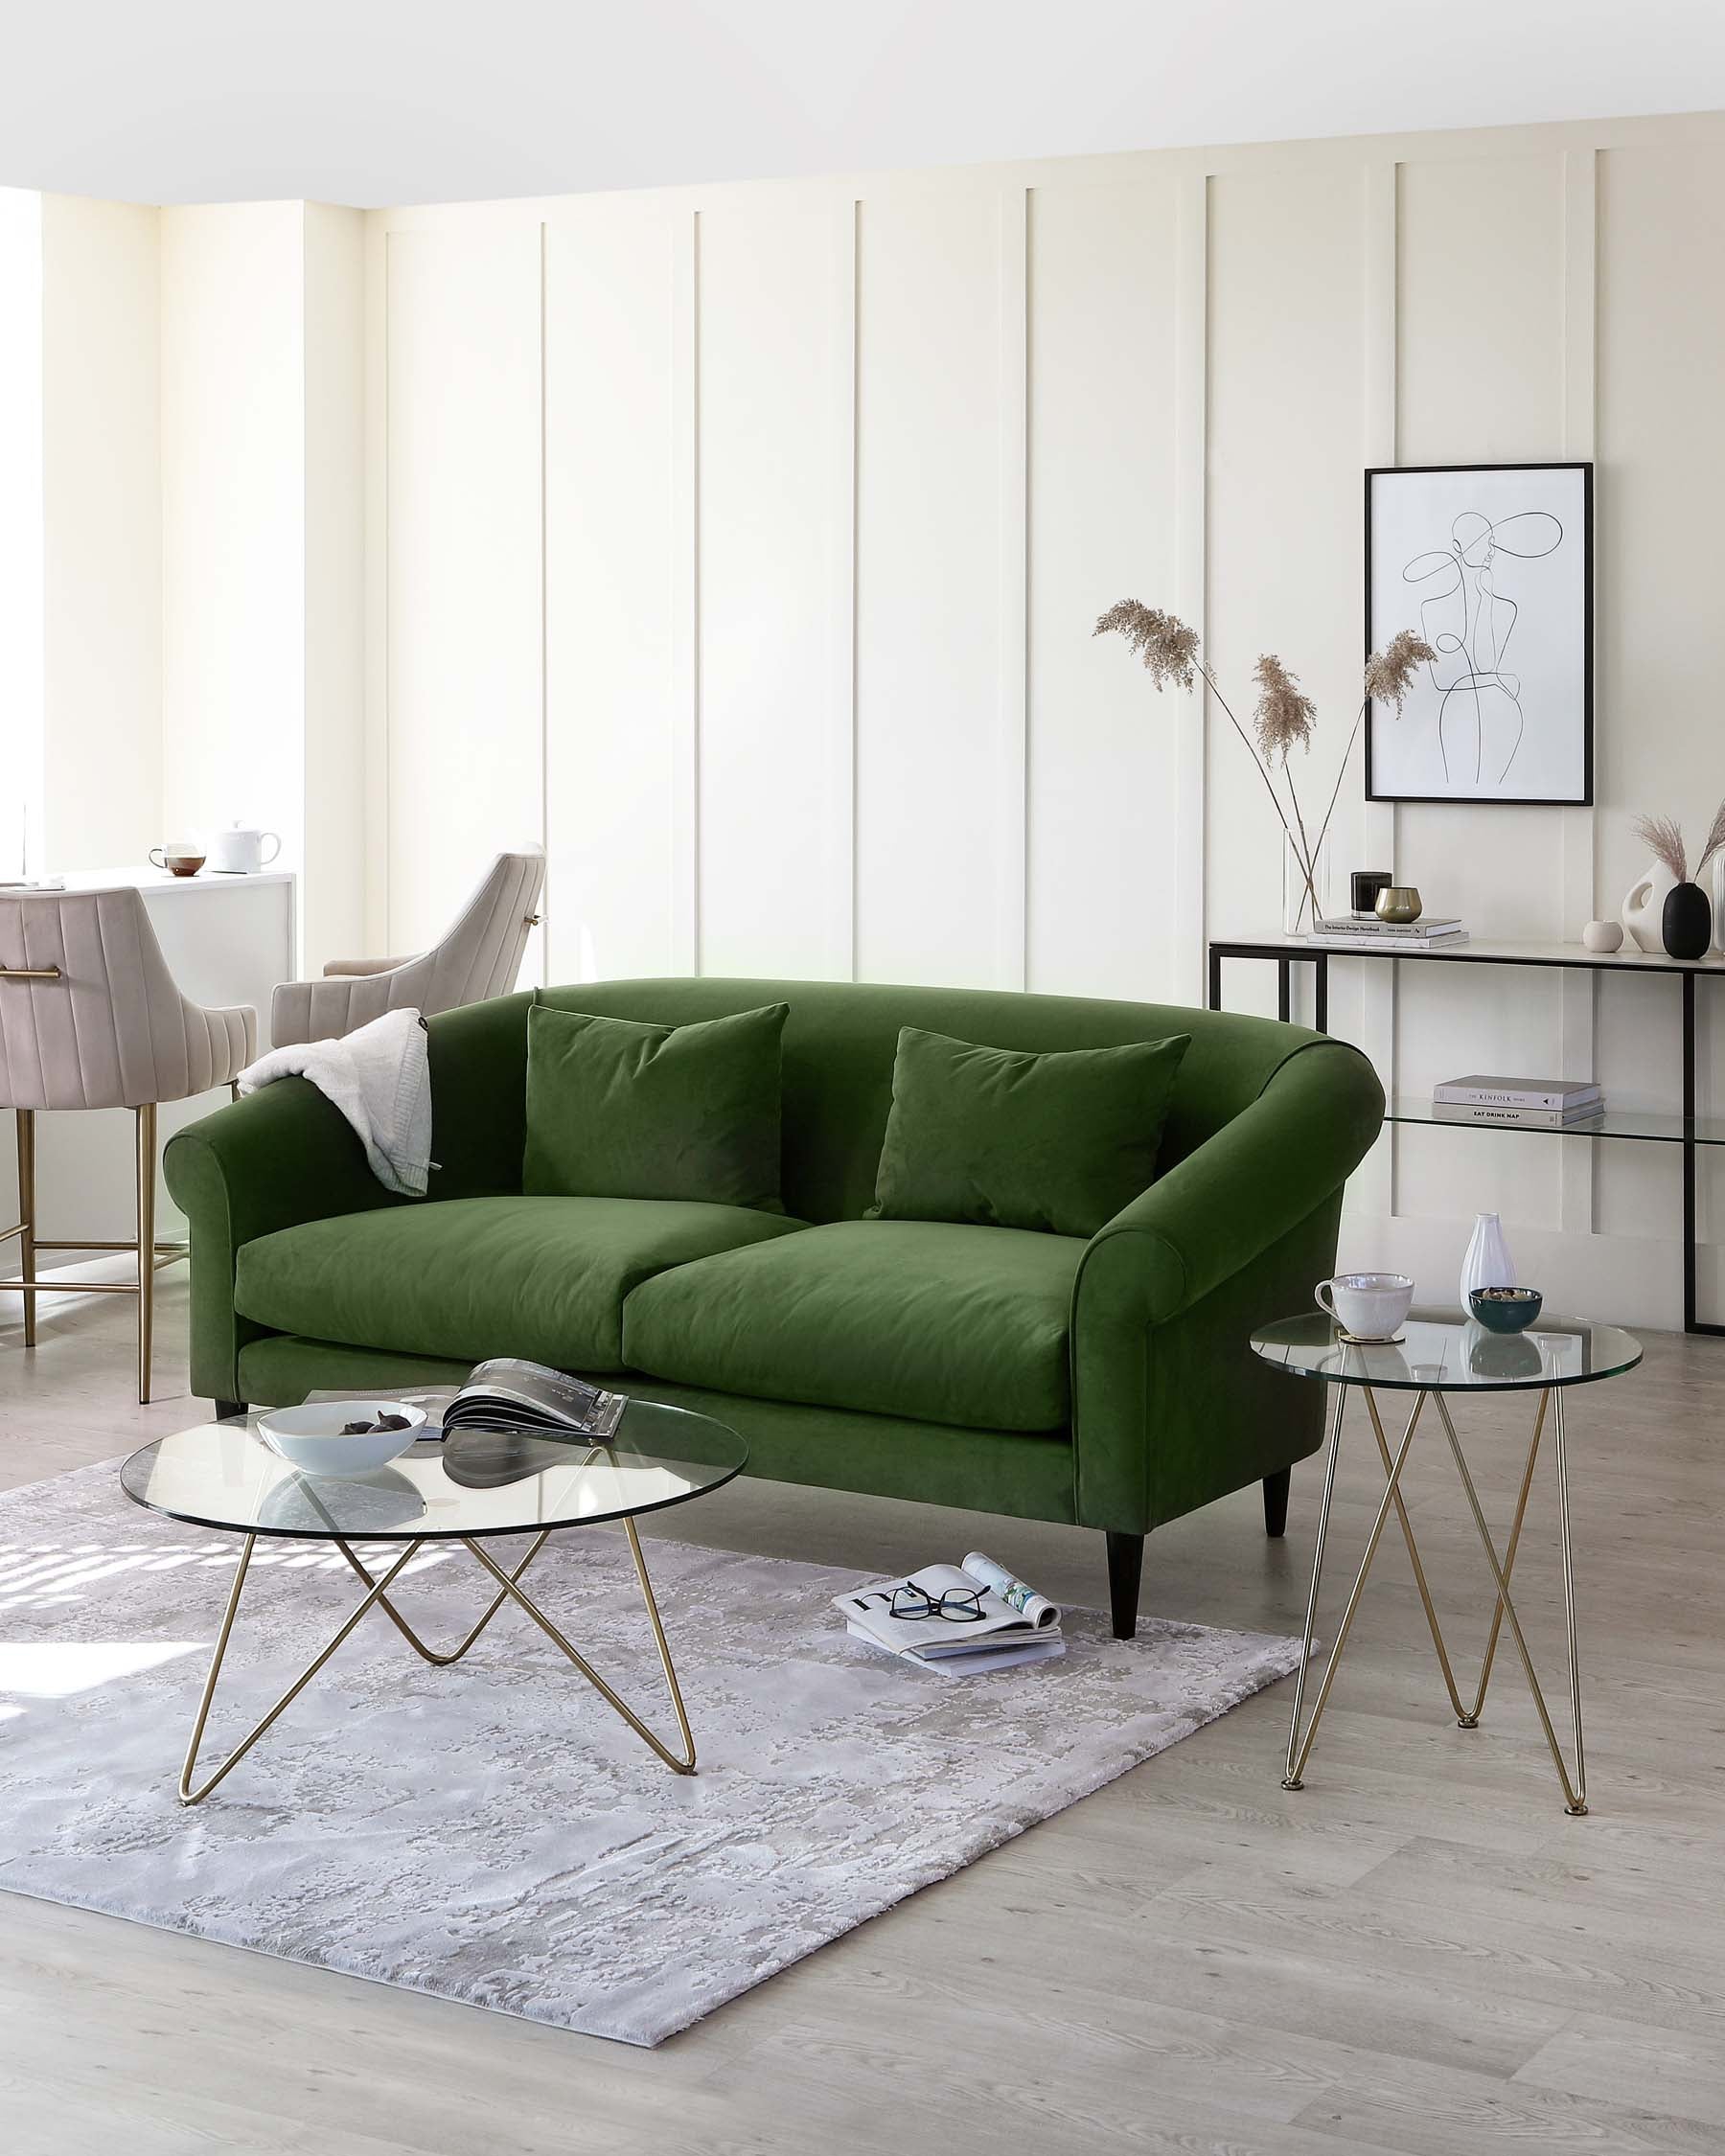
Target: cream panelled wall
746 541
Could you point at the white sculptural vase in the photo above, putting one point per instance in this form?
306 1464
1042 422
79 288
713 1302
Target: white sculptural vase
1487 1263
1644 906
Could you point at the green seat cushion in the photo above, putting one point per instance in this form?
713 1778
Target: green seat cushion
470 1278
1059 1142
617 1109
922 1318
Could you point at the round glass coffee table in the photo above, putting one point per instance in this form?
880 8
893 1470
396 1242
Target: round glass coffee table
1434 1357
487 1483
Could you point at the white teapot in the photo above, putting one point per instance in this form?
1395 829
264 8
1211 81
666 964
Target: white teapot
239 850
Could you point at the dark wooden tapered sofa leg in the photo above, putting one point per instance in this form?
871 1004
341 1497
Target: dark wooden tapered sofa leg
1275 1501
227 1409
1125 1569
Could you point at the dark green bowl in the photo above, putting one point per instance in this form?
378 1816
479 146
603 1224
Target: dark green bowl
1499 1314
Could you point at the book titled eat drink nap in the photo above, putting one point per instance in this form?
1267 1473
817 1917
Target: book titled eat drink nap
1546 1101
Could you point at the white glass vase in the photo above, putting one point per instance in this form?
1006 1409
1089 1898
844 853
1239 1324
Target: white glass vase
1487 1263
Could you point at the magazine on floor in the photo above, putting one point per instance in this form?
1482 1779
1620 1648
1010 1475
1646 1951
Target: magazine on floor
958 1619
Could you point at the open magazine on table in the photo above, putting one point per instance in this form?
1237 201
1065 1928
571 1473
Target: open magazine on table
995 1620
511 1393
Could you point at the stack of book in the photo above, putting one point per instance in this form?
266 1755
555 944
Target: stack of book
1364 931
1550 1104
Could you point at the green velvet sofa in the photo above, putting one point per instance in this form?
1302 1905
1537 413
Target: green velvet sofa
1104 1382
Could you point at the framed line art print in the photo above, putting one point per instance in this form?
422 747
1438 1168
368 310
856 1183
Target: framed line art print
1492 565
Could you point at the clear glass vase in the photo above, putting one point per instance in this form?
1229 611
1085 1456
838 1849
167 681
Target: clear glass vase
1297 898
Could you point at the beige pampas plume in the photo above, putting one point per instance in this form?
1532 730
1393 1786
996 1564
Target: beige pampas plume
1715 838
1663 840
1283 717
1389 672
1169 648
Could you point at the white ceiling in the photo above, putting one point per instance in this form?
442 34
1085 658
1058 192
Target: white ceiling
405 101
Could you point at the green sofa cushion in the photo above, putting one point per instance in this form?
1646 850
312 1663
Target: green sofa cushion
616 1109
1058 1142
923 1318
470 1278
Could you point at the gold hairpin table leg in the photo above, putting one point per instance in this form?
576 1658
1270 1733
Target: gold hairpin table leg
1575 1791
412 1638
683 1763
188 1795
1551 1402
376 1597
1299 1747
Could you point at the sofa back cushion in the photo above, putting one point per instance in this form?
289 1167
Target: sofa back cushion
839 1041
1001 1138
621 1107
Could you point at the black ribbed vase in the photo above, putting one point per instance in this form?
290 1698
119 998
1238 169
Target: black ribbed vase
1686 925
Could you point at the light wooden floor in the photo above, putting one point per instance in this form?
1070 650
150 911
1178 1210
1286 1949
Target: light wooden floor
1418 1954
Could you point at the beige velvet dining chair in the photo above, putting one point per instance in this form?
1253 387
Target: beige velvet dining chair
91 1017
478 957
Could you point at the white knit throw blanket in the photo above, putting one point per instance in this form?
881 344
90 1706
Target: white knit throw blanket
379 1078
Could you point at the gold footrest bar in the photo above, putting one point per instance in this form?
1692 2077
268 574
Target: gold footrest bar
165 1252
376 1597
71 1287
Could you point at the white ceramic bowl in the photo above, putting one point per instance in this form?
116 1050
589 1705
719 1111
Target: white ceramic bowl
310 1437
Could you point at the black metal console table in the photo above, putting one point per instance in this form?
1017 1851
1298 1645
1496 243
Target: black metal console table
1688 1129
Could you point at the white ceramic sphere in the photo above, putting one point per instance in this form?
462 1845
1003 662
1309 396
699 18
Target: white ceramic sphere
1603 935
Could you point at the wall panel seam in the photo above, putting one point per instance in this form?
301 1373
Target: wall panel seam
1192 488
1578 1003
1012 791
1380 1001
685 519
846 329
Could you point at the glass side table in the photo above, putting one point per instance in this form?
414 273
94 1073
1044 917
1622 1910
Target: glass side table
1431 1358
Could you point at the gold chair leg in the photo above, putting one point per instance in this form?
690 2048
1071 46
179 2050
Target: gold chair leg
27 1213
147 1272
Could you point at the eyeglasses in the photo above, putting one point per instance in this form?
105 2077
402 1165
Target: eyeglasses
958 1605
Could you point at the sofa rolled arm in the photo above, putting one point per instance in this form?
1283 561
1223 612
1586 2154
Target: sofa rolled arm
1244 1188
1169 1410
284 1155
279 1156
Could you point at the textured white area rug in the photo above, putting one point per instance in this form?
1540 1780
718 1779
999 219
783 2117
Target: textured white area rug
492 1832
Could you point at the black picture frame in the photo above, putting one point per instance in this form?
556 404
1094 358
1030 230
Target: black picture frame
1374 791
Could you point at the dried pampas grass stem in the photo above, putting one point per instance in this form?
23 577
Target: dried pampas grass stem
1284 716
1663 840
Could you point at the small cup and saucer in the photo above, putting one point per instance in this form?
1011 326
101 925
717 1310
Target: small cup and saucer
1368 1308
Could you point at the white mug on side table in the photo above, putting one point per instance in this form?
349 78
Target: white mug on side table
239 850
1366 1305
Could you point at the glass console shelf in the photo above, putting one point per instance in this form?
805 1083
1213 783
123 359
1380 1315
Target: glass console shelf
1687 1131
1613 1123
